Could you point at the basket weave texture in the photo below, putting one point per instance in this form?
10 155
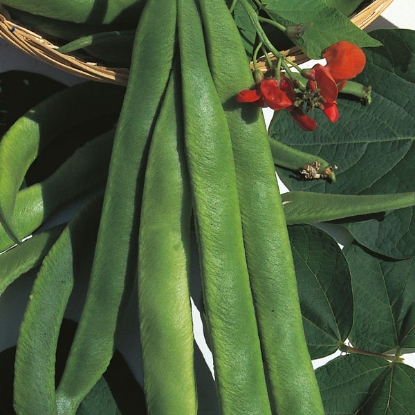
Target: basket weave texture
40 48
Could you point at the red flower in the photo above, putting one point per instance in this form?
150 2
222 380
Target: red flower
303 120
326 83
267 93
330 110
328 91
344 61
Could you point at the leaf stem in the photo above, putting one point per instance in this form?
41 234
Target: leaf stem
350 349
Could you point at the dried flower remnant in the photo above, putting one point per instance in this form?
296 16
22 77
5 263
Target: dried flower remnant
311 171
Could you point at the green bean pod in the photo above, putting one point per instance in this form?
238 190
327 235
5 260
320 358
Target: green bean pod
165 316
126 12
115 259
228 303
22 258
273 283
114 47
290 158
68 260
30 134
83 173
311 207
60 29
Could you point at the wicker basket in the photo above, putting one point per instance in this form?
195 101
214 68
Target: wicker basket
40 48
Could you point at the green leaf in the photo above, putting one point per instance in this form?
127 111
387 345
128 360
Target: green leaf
328 25
372 145
347 7
384 301
246 29
324 287
366 385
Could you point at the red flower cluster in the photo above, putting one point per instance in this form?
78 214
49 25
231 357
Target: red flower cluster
344 61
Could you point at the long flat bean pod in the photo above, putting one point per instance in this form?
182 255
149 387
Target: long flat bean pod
268 251
30 134
227 297
126 12
115 258
165 317
68 260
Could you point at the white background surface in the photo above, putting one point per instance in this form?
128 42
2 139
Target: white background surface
400 14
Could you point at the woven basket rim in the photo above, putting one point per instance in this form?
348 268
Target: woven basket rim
44 50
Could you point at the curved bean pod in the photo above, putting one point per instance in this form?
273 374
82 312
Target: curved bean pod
26 256
84 172
165 316
273 283
68 260
228 303
39 126
115 258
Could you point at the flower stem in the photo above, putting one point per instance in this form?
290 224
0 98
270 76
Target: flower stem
260 31
254 57
273 23
255 19
232 8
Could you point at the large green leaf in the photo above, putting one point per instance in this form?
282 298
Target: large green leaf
328 24
384 301
373 145
347 7
246 29
324 287
366 385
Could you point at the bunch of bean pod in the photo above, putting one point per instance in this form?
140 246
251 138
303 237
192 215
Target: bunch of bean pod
220 160
185 154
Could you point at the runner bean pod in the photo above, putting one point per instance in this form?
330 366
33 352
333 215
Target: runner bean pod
165 316
30 134
115 259
292 381
68 260
227 298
